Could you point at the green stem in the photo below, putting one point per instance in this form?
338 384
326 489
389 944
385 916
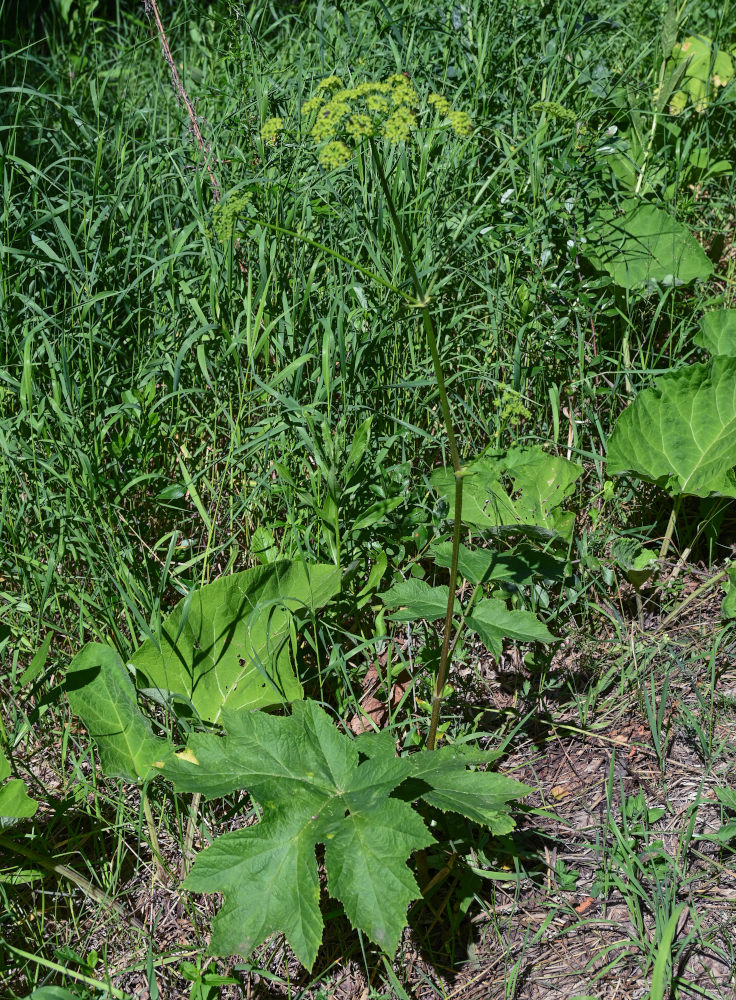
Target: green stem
186 853
670 528
151 825
64 970
422 303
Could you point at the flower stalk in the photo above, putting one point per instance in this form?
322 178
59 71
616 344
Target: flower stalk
422 303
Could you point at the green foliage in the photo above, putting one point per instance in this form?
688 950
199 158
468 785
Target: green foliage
704 69
637 562
101 692
718 333
188 390
227 644
489 618
540 483
680 434
314 788
15 803
640 245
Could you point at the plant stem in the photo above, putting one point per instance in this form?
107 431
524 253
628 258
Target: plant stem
64 970
422 303
181 94
158 867
189 835
670 527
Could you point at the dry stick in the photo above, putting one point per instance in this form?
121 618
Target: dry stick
151 7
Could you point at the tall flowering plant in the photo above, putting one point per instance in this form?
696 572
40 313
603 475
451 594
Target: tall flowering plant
341 120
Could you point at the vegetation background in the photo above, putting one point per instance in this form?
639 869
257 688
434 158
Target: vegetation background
185 370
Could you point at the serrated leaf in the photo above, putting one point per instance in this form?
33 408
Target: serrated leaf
540 484
681 434
718 333
494 622
226 645
416 600
314 788
644 245
482 796
637 563
101 692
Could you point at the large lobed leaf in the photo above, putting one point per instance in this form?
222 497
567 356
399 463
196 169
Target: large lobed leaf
540 483
226 644
314 788
718 332
682 434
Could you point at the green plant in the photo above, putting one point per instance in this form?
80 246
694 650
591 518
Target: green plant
15 803
702 70
679 434
313 788
641 245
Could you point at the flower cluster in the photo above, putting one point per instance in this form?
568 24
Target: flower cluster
343 116
559 113
334 154
226 214
271 129
511 406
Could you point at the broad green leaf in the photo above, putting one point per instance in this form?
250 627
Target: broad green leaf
15 802
494 622
637 563
227 644
643 245
718 333
727 797
416 600
102 694
314 788
681 434
540 483
518 566
544 482
707 69
452 788
728 604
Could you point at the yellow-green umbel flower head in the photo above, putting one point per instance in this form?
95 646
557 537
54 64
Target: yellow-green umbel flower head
342 117
271 128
